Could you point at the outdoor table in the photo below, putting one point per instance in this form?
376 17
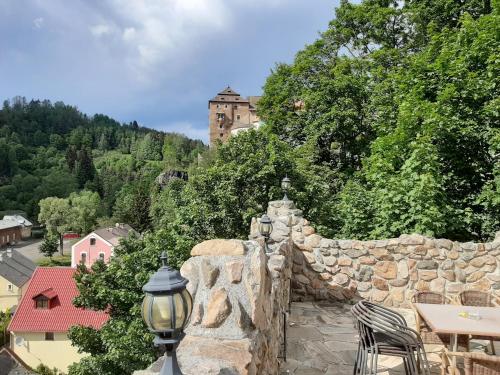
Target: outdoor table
446 319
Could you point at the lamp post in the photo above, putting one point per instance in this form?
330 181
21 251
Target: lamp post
166 310
265 229
285 186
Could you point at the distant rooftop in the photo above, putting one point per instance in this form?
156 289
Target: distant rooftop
21 220
15 268
114 234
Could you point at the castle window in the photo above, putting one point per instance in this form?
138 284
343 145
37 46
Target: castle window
221 135
221 126
225 106
222 99
49 336
235 106
237 117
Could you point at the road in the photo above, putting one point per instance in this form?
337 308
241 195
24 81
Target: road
29 248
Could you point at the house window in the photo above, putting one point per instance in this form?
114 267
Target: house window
101 256
10 287
83 258
49 336
42 303
238 117
92 241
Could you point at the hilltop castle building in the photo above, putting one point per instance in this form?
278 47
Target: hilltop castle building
230 113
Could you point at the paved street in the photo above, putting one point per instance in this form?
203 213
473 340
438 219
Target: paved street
30 249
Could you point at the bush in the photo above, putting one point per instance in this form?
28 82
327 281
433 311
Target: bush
57 261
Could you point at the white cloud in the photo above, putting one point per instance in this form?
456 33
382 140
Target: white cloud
100 30
38 22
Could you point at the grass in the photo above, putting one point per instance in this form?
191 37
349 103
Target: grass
55 261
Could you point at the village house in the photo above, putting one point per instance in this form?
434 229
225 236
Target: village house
99 244
10 232
25 224
39 328
15 272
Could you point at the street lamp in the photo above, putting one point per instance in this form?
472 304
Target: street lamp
285 186
265 229
166 310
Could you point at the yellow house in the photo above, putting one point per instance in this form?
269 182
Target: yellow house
39 328
15 272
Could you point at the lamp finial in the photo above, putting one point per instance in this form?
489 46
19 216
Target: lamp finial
164 259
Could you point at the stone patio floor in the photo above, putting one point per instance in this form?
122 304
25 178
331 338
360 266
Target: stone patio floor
321 339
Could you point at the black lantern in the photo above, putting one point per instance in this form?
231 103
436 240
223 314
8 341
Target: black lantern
265 229
166 310
285 186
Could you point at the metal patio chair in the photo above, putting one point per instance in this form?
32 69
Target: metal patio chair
384 332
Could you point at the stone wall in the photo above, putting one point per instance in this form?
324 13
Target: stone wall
240 294
385 271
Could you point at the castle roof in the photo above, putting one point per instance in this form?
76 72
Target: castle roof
228 95
228 91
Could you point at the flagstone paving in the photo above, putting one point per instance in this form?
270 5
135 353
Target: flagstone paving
322 339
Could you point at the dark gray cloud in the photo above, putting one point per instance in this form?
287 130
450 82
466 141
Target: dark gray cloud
154 61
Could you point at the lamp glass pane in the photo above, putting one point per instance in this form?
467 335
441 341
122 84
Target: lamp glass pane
146 306
180 313
160 314
189 303
285 185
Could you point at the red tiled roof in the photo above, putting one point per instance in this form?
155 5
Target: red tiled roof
48 293
62 315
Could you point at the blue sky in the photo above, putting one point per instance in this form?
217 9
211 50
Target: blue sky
154 61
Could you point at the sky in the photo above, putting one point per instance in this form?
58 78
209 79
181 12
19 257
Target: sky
154 61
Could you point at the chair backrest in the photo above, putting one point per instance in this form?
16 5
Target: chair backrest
371 320
475 298
429 297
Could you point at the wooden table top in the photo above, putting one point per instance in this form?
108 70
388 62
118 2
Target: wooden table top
446 319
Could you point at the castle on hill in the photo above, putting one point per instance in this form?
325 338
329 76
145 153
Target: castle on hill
230 113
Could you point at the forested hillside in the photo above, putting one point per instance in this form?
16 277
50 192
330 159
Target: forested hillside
52 150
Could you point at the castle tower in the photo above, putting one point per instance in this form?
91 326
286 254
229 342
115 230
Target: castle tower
229 113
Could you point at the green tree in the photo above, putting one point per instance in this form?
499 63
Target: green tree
49 246
84 211
55 214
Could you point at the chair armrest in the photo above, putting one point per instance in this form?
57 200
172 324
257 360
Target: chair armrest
453 300
495 301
